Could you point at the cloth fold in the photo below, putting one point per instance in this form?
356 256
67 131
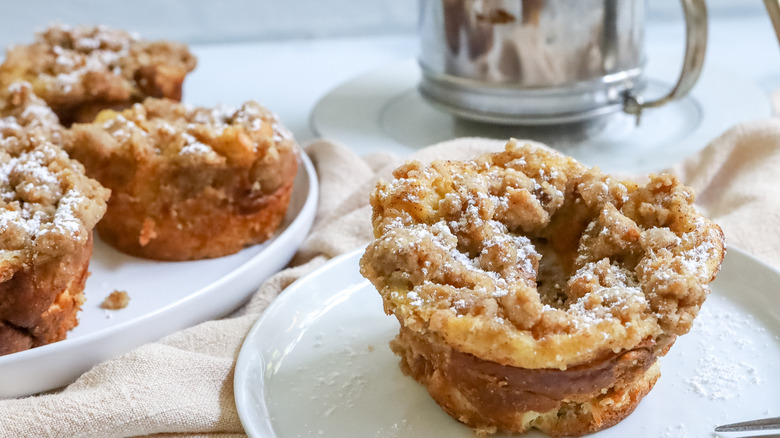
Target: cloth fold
182 385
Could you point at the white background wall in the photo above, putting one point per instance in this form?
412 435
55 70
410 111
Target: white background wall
203 21
199 21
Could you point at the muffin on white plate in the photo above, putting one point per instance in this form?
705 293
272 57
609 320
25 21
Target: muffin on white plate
534 292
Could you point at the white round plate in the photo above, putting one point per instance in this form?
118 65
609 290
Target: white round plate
382 110
164 297
317 363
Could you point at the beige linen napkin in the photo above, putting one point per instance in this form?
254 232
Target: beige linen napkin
183 384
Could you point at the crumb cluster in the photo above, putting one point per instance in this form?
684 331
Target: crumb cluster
116 300
80 70
47 205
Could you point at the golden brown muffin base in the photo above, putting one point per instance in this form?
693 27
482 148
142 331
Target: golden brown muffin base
211 229
39 304
602 412
490 397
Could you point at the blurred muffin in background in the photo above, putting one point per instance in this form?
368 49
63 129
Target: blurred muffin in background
80 71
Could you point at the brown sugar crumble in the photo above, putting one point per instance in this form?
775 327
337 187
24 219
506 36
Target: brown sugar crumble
533 291
47 205
117 300
80 70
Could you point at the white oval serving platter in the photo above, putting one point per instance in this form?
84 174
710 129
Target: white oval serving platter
164 297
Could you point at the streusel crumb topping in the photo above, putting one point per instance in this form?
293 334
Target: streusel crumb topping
68 62
21 110
47 205
191 137
528 258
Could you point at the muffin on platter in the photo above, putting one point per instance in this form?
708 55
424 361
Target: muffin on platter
48 208
79 71
188 183
534 292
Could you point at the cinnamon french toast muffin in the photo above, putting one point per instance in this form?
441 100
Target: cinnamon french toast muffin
48 208
534 292
79 71
188 183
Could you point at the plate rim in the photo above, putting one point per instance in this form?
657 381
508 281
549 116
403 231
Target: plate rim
243 363
293 234
244 366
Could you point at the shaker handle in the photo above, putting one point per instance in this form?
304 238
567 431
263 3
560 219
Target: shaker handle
773 8
695 47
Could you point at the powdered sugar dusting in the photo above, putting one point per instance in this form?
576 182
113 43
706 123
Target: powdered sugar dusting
250 116
719 377
725 369
617 302
193 146
414 298
603 304
9 124
79 51
23 109
334 384
280 132
28 184
65 220
697 256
